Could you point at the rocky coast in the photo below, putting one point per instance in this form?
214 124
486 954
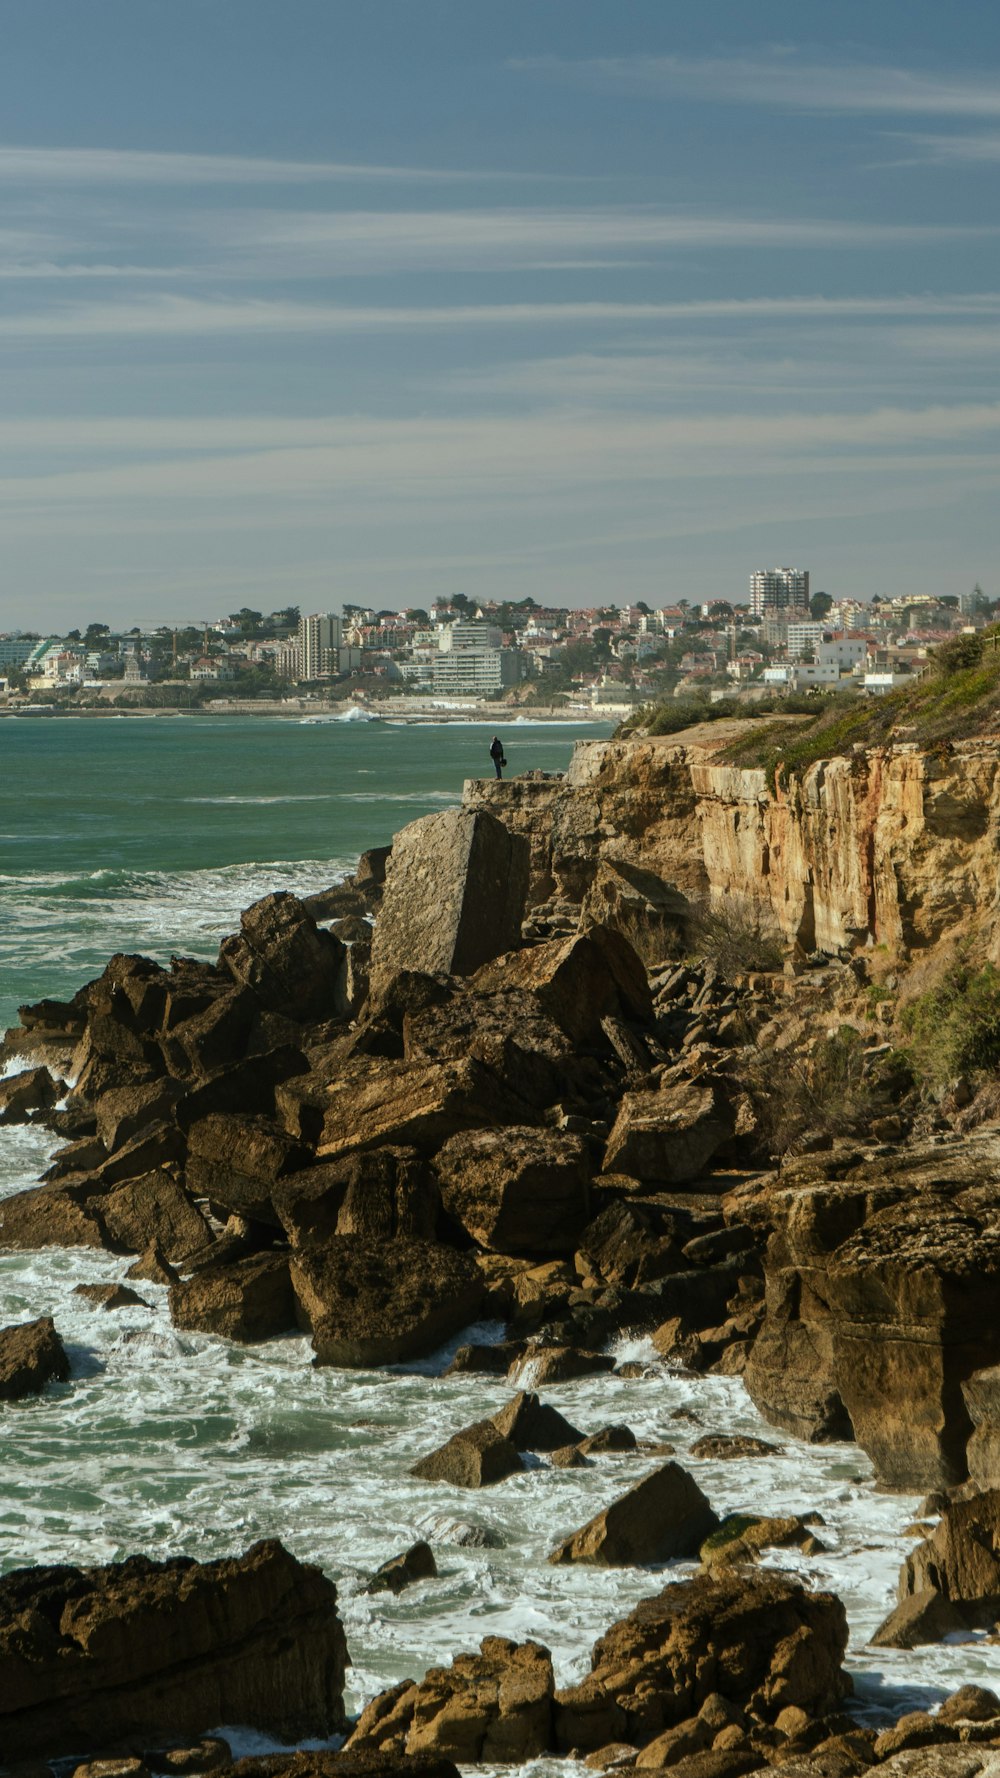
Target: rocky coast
597 1080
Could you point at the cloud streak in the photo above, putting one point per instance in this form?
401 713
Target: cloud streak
133 166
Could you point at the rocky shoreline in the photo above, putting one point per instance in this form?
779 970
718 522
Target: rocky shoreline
491 1078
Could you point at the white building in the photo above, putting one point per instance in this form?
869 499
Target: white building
470 661
804 638
847 651
799 675
773 589
319 645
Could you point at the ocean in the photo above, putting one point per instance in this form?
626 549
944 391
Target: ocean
151 835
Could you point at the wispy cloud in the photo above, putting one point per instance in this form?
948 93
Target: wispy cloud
784 79
166 316
133 166
963 149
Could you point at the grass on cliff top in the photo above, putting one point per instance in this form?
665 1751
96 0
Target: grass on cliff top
958 697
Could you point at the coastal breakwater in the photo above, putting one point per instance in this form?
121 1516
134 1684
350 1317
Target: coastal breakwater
522 1097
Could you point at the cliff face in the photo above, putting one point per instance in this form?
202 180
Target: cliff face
898 844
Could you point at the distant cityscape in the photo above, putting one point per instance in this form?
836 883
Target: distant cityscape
783 638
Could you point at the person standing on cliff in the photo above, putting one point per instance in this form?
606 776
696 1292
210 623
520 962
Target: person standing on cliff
496 754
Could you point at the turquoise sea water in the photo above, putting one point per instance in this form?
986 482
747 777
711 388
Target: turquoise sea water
150 834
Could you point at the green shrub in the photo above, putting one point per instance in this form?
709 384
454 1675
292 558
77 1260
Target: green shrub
827 1092
958 654
954 1028
737 935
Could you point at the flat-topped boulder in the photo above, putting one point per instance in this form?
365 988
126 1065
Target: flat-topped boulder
248 1301
137 1653
382 1302
759 1641
373 1102
516 1190
668 1135
455 892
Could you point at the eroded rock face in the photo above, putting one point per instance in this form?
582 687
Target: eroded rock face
651 914
291 966
456 885
960 1560
140 1652
495 1706
577 981
381 1302
664 1516
516 1190
249 1301
31 1355
762 1643
21 1095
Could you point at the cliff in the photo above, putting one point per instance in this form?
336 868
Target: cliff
894 845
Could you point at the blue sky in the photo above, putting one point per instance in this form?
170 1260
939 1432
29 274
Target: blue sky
303 301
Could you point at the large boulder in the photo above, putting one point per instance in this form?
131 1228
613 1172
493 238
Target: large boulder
25 1094
379 1193
982 1400
235 1160
382 1302
400 1572
290 966
952 1578
533 1425
476 1457
517 1190
124 1112
760 1641
490 1708
509 1032
667 1136
649 912
455 893
31 1355
663 1517
54 1215
153 1208
577 981
249 1301
142 1652
372 1103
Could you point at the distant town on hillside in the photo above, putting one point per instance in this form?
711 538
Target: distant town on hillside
782 639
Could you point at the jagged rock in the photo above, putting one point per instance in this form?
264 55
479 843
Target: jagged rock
110 1296
662 1517
669 1136
203 1038
981 1392
730 1447
31 1355
541 1365
417 1563
494 1707
490 1361
381 1302
48 1216
454 897
621 1246
760 1641
741 1537
382 1194
463 1533
577 981
960 1561
121 1656
23 1094
516 1190
509 1031
246 1087
152 1267
249 1301
124 1112
651 914
155 1208
477 1457
532 1425
923 1617
235 1161
374 1104
290 966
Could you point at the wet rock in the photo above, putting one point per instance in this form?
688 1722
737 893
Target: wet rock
741 1537
110 1296
610 1438
290 966
663 1517
516 1190
152 1267
417 1563
543 1365
761 1642
577 981
477 1457
122 1655
669 1136
532 1425
492 1707
382 1302
959 1565
211 1754
248 1302
491 1361
153 1209
21 1095
569 1457
49 1216
454 896
463 1533
31 1355
381 1194
731 1447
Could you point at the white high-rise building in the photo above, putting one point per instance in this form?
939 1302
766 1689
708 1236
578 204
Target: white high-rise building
319 645
471 661
775 589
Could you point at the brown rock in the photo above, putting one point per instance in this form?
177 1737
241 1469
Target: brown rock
918 1619
577 981
209 1036
290 966
532 1425
31 1355
249 1301
759 1641
725 1447
669 1136
970 1703
344 1765
650 913
381 1194
153 1209
542 1365
382 1302
373 1104
49 1216
110 1296
517 1189
417 1563
960 1561
120 1655
494 1707
152 1267
662 1517
125 1112
740 1538
454 897
236 1160
477 1457
610 1438
23 1094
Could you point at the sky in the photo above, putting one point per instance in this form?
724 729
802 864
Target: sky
312 301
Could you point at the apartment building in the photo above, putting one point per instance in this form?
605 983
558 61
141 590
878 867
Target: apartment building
774 589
